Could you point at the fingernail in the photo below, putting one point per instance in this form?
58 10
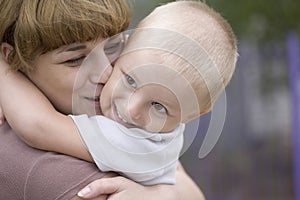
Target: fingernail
85 191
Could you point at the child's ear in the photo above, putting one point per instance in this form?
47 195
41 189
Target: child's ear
195 115
6 49
204 111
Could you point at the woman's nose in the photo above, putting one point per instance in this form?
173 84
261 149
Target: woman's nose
99 65
102 76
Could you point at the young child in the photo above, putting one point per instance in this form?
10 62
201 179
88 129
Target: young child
173 68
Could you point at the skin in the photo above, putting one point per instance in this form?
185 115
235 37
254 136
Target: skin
125 189
146 93
55 73
134 102
141 92
121 187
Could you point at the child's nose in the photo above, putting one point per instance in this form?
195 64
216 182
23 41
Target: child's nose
135 112
135 107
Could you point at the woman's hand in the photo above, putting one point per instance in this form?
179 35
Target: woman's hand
120 188
102 197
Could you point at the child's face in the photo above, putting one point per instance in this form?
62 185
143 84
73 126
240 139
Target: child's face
145 94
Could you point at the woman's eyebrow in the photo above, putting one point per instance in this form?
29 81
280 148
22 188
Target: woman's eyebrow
76 48
73 48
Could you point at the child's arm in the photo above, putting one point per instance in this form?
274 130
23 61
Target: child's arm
34 119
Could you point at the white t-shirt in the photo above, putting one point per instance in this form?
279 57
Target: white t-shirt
147 158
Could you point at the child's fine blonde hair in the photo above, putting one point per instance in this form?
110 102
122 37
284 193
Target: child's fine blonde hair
199 29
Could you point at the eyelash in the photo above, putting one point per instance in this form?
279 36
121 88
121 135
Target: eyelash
75 60
129 78
156 103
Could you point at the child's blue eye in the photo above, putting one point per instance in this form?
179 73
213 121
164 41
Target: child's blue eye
130 81
160 108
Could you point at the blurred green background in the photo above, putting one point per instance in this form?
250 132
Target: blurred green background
253 158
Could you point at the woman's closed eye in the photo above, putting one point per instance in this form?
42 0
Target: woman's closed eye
159 107
75 61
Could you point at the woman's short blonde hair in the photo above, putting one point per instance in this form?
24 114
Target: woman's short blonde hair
34 27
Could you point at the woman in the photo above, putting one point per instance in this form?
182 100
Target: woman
47 41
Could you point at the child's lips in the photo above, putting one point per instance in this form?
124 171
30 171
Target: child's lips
120 119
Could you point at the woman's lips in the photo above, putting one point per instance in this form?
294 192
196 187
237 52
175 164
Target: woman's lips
95 102
96 98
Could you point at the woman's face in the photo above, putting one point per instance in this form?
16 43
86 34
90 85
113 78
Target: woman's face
56 71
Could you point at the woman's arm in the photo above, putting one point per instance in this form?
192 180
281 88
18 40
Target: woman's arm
120 188
34 119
